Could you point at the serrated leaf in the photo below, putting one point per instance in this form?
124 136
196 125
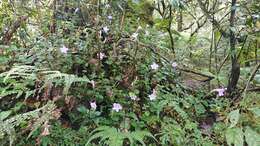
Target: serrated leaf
4 115
234 136
161 23
252 137
114 137
257 78
233 118
255 111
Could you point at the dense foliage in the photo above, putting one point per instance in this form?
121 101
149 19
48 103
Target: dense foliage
129 72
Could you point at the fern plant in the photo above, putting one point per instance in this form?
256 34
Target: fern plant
243 127
58 77
171 133
19 78
114 137
41 115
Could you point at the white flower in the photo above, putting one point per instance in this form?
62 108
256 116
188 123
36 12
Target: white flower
139 27
64 50
109 17
105 29
101 55
117 107
154 66
93 105
255 16
162 35
107 6
134 35
133 96
174 64
147 33
153 95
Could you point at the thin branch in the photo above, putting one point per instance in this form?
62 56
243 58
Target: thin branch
240 52
207 13
251 76
199 26
222 63
152 48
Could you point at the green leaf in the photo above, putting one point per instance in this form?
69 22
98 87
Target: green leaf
233 118
234 136
252 138
257 78
4 115
161 23
114 137
255 111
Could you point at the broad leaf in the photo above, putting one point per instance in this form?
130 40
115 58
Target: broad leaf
255 111
4 115
233 117
252 138
234 136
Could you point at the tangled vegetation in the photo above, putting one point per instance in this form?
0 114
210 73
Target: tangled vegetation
129 72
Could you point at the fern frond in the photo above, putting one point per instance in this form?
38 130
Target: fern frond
40 115
23 71
20 76
140 135
115 137
68 79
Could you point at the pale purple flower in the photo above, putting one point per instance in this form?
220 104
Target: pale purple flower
174 64
93 105
105 29
110 17
76 10
255 16
45 131
153 95
101 55
117 107
221 91
64 49
134 35
154 66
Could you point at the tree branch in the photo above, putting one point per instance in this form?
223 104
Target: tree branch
252 76
9 34
152 48
207 13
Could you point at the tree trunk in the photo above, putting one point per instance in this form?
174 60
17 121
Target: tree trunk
256 47
169 29
53 22
235 68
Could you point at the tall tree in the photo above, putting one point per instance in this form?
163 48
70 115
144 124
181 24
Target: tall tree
235 68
